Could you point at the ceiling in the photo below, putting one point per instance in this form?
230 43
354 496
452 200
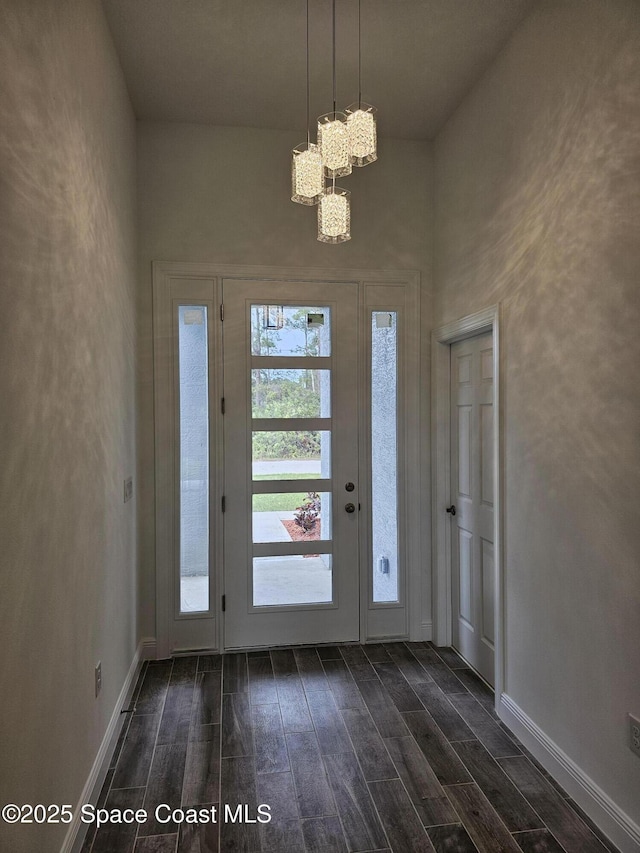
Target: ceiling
243 62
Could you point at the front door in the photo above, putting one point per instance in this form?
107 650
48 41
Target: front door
287 476
473 583
291 503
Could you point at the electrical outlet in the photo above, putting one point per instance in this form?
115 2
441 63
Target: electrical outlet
98 675
128 489
634 734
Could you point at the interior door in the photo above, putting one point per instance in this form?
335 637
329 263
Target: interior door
291 463
473 582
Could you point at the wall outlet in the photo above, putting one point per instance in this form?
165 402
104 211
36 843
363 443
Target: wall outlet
98 675
634 734
128 489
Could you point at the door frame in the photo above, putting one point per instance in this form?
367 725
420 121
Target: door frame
163 273
488 320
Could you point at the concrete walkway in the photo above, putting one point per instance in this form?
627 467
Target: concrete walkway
276 580
291 580
286 466
268 526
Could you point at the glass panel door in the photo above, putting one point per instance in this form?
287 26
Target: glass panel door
291 396
291 568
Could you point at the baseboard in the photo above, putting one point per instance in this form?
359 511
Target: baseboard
426 632
91 791
148 648
608 817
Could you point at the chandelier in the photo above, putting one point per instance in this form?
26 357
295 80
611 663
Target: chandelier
344 140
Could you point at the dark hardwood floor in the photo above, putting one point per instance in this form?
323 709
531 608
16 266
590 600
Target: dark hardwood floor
385 747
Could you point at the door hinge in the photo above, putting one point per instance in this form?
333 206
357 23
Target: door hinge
221 312
222 405
224 504
224 603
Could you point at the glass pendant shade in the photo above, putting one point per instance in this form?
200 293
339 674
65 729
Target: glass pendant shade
307 174
363 141
334 216
333 141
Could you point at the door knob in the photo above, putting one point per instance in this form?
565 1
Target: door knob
350 507
349 487
452 509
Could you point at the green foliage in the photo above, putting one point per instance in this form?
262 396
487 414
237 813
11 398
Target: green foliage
280 397
277 503
282 393
307 513
285 476
286 445
274 395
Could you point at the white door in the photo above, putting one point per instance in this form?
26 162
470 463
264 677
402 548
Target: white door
320 386
473 583
291 463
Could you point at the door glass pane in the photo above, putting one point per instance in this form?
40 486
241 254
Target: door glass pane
384 453
291 454
299 579
285 330
292 517
194 458
290 393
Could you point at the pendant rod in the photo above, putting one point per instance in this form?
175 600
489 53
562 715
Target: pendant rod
359 61
334 55
308 127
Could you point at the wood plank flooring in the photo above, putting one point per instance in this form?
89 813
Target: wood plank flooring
389 747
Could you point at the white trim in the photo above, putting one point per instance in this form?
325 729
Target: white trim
176 631
400 618
441 340
426 632
608 817
148 648
415 505
77 830
163 440
163 272
246 272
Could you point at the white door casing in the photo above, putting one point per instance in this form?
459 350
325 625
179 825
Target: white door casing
472 527
442 339
175 630
185 283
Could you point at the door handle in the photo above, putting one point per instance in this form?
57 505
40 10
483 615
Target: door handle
349 507
452 509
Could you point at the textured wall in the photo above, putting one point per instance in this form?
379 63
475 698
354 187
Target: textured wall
221 194
538 205
67 411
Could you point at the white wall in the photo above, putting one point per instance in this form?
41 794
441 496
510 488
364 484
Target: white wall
67 392
221 194
538 206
